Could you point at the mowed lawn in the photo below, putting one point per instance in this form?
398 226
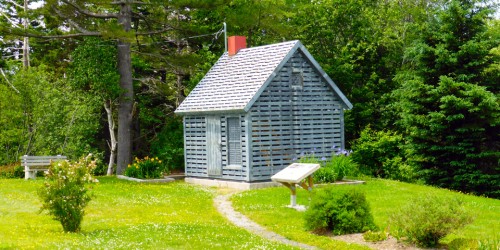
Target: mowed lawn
267 207
128 215
124 215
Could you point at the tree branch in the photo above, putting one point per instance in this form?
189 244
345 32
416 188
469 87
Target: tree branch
59 36
10 20
8 82
16 4
71 22
129 2
88 13
154 32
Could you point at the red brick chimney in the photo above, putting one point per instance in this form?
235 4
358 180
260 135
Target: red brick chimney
235 43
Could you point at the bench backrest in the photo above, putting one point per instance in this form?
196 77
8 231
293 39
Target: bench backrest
28 160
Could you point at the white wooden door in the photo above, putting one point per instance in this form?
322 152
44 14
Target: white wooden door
214 153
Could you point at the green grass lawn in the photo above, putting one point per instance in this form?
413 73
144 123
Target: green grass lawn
129 215
124 215
267 207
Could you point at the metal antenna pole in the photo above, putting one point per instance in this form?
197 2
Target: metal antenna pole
225 37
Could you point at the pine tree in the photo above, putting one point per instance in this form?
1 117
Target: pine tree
449 114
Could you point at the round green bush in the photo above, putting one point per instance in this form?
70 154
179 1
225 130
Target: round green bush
342 211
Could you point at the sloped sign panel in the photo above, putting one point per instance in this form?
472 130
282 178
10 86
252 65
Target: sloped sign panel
295 172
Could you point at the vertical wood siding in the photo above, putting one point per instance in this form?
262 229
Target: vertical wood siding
283 124
195 141
289 121
214 146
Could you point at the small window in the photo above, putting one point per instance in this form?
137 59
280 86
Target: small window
234 141
296 80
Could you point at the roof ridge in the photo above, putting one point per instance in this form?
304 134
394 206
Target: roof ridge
271 45
235 82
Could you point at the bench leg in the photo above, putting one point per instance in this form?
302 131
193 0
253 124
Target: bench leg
29 174
26 172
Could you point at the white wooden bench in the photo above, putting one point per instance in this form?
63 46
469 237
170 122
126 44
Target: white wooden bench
33 164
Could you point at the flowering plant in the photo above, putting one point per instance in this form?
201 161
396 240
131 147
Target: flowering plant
333 169
146 168
64 194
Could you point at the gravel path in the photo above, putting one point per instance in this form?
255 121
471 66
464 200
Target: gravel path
224 206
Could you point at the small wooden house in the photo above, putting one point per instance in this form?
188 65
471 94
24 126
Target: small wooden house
258 110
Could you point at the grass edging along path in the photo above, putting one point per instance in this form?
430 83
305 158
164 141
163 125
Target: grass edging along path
124 215
267 207
162 180
223 205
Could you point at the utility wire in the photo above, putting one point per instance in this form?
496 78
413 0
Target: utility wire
215 37
215 34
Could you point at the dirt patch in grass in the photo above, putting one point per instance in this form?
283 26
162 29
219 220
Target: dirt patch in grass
388 244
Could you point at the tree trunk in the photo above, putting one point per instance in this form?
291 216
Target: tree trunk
26 46
180 89
127 97
112 145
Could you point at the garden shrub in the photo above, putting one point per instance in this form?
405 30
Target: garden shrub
489 244
101 168
463 244
324 175
335 169
168 145
64 194
425 220
341 211
381 154
146 168
13 170
372 236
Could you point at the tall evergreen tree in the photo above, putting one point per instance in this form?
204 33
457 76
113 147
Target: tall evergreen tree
360 45
130 23
447 110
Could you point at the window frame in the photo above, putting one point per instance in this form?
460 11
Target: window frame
230 140
296 79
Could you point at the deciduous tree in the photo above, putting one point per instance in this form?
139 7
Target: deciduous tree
93 70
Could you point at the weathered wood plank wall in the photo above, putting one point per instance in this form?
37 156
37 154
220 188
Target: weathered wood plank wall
288 121
195 141
283 124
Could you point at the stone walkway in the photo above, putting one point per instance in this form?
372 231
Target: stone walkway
225 207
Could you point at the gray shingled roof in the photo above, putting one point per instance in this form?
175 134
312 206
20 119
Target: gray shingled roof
235 82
